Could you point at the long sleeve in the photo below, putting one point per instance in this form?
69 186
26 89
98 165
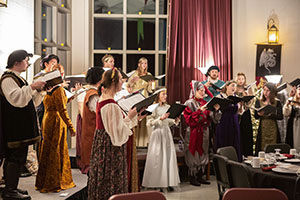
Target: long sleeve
172 122
115 125
19 97
61 107
208 92
278 114
192 118
131 123
140 84
92 103
287 110
216 116
153 120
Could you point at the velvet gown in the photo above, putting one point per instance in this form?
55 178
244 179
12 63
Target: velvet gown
54 172
228 129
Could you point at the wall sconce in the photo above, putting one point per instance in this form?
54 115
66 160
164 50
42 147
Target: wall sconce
273 31
3 3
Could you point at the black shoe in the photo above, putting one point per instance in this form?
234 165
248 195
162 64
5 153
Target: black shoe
14 195
201 179
25 174
204 181
194 181
22 191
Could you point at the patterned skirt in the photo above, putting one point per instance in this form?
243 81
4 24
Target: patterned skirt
108 168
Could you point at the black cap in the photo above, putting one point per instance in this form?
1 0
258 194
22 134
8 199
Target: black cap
212 68
295 82
47 58
17 56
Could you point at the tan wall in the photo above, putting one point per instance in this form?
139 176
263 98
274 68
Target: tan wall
80 46
249 19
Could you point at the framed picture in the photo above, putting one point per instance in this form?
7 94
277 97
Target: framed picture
3 3
268 59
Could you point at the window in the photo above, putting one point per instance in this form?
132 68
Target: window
52 31
129 30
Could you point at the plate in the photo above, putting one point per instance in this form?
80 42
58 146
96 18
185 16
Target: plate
283 171
294 160
282 164
263 162
282 158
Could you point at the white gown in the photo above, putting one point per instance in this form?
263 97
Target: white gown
161 169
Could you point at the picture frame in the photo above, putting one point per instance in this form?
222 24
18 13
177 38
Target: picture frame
3 3
268 57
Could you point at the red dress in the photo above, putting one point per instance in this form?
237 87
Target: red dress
197 120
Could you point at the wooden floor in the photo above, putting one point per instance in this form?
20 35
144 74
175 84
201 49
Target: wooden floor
28 183
205 192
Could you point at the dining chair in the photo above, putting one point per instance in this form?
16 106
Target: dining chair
228 152
238 175
254 194
220 163
147 195
285 148
297 188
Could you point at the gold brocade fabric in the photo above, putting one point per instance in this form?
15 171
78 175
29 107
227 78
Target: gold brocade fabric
141 133
54 172
134 172
142 138
268 132
140 84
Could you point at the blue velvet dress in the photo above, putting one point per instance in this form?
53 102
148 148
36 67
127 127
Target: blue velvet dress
228 129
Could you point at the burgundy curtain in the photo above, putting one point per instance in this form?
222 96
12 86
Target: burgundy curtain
199 36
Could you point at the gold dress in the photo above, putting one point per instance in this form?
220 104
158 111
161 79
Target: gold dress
268 132
141 131
54 172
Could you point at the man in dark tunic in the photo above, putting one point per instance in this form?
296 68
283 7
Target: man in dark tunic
19 121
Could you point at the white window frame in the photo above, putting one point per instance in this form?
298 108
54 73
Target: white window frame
124 51
53 44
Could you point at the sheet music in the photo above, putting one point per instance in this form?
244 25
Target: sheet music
48 76
130 73
250 85
75 76
127 103
152 107
160 76
69 94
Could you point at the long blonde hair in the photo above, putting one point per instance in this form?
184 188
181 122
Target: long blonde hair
140 72
106 58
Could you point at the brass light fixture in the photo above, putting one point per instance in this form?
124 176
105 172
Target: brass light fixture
273 31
